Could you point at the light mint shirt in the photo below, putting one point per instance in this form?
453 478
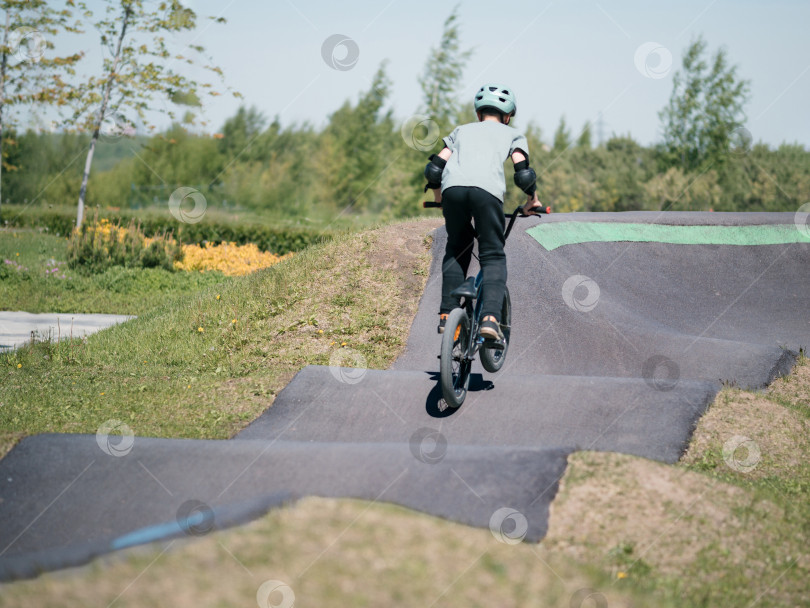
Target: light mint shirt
479 151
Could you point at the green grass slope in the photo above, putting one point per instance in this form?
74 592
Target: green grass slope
204 365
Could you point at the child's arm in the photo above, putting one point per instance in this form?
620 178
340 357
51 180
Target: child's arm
433 172
518 156
525 179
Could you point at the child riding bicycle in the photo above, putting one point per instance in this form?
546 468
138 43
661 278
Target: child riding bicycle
467 179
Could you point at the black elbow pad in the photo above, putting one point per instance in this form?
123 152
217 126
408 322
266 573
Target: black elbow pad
433 172
525 177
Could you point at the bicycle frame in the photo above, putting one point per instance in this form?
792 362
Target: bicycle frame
457 352
474 313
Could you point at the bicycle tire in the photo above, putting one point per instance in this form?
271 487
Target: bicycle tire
493 358
455 366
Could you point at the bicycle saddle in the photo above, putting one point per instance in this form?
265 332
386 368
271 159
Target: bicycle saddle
465 290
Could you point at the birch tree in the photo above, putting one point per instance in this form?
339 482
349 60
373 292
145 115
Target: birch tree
139 68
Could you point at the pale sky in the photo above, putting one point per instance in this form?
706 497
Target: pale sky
575 58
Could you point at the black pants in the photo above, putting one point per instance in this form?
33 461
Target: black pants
459 206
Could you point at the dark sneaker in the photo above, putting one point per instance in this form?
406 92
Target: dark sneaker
442 322
491 331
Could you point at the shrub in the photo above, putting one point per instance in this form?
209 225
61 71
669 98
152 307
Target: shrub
266 236
102 244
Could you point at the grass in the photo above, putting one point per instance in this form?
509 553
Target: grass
633 531
724 527
37 288
331 553
204 365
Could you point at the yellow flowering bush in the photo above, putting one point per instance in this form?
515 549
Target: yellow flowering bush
229 258
98 245
101 244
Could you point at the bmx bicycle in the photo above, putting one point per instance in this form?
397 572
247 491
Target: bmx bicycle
462 340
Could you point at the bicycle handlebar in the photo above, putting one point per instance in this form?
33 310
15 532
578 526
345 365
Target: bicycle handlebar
434 205
512 216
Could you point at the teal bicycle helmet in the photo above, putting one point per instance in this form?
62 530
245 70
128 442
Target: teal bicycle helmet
497 97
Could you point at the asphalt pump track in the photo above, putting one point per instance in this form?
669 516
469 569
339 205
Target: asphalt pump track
625 326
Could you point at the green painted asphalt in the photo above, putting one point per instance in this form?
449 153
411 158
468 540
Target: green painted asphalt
557 234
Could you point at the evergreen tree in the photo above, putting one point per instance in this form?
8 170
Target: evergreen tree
584 139
562 137
442 75
353 144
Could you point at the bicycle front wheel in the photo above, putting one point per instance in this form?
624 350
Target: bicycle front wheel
455 364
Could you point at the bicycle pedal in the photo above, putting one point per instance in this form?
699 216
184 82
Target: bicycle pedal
495 344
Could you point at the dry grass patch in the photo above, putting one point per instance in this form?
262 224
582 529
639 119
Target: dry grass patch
355 307
630 514
330 553
719 529
770 430
780 435
794 389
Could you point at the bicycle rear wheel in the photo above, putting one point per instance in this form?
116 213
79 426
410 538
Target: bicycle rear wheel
493 358
455 366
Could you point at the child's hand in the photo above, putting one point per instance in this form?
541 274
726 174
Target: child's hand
532 204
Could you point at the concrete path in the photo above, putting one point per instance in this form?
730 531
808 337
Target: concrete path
16 327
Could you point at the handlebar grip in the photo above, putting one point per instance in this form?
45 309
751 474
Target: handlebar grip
539 210
434 205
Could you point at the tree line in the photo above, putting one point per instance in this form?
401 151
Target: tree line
298 172
365 161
